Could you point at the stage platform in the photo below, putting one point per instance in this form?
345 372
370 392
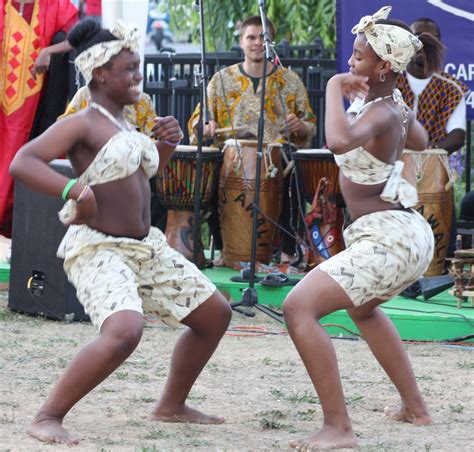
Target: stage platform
4 272
437 319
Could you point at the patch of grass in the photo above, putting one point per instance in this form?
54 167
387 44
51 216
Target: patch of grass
196 442
60 363
425 378
278 393
9 403
354 399
271 420
161 371
458 408
197 397
295 396
62 340
121 375
466 365
383 446
6 419
142 378
109 442
306 415
134 423
157 434
304 397
269 361
6 314
212 368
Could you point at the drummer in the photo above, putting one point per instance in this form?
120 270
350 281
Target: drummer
422 83
234 104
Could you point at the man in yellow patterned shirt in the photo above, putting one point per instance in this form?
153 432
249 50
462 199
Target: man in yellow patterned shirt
234 95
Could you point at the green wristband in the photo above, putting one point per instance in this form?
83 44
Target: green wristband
67 188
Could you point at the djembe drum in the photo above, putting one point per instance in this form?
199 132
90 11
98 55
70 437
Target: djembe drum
175 186
237 194
312 165
429 172
318 175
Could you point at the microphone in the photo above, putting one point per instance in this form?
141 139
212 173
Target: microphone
265 35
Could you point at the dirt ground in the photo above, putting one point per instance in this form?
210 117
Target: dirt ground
257 382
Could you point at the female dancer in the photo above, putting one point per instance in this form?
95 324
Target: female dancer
389 245
117 262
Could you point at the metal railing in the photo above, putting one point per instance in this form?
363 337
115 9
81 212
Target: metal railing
169 80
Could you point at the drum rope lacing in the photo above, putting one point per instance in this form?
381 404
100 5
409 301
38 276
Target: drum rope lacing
418 163
270 168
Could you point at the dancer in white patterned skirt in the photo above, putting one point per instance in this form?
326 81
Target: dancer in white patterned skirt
388 244
119 265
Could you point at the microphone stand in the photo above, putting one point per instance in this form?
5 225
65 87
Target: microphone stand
201 79
249 295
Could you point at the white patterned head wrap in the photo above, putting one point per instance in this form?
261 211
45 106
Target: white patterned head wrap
390 42
101 53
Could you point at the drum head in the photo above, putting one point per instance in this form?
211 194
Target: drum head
188 148
434 151
249 143
313 154
186 152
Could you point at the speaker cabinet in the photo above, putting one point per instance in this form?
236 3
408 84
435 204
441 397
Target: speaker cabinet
38 284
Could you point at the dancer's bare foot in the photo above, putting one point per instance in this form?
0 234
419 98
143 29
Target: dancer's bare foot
50 431
327 438
402 414
185 415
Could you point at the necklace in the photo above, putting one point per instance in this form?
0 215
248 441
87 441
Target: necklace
398 99
126 128
377 100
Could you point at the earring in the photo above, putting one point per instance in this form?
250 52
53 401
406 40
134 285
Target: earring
382 77
102 80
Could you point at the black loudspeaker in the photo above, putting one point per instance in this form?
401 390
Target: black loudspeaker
428 286
38 284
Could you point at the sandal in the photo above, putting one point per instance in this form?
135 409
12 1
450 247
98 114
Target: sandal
278 279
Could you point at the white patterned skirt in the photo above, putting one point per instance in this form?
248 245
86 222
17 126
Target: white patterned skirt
113 274
386 251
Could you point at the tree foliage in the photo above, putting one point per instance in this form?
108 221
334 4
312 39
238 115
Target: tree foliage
298 21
